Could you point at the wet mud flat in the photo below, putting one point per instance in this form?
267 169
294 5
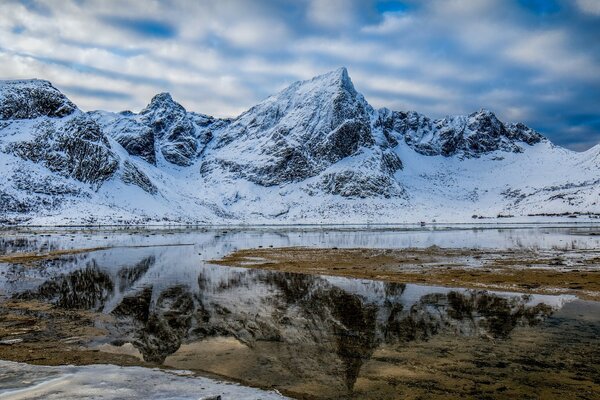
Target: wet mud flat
320 333
40 333
530 271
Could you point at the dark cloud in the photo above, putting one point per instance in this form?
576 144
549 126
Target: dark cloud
541 7
391 6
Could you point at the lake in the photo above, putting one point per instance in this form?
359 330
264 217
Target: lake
152 297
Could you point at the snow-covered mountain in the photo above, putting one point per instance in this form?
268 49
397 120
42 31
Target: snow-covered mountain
316 152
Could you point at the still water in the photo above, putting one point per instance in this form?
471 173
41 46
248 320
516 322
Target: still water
319 336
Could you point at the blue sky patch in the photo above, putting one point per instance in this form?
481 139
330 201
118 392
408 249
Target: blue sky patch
144 27
391 6
541 7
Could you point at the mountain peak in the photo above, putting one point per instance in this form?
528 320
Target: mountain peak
336 78
339 74
162 101
483 112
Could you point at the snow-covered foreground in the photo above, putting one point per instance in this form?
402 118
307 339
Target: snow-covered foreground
24 381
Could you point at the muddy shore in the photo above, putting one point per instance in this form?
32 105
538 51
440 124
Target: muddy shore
528 271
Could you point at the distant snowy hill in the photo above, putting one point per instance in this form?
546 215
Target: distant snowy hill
316 152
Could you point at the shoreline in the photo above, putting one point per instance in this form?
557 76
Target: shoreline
526 271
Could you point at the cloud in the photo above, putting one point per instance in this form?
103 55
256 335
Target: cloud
528 60
551 53
95 93
332 13
589 6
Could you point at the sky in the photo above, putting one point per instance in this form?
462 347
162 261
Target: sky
531 61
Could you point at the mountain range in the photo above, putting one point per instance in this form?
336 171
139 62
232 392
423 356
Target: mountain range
316 152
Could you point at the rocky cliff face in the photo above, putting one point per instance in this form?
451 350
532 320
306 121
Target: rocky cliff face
299 133
77 149
316 148
163 130
173 131
32 99
467 136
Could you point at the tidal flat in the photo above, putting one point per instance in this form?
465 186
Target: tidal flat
312 312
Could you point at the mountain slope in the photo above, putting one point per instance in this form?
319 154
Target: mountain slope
316 152
300 133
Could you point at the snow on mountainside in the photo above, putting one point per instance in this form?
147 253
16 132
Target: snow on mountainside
316 152
303 131
33 98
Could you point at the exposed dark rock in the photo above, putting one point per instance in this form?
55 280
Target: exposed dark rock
173 129
468 136
48 185
78 150
136 138
351 183
522 133
11 204
132 175
28 99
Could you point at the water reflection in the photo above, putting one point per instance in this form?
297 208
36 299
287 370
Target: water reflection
313 335
219 240
314 327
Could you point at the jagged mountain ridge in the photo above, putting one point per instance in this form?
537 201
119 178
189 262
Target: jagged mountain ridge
315 152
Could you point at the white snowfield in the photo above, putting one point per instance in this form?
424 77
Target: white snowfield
315 153
24 381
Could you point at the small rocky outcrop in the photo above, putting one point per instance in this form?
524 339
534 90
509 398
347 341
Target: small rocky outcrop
368 174
359 184
135 137
134 176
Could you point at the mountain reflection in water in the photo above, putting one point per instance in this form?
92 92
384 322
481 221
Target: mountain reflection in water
303 328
